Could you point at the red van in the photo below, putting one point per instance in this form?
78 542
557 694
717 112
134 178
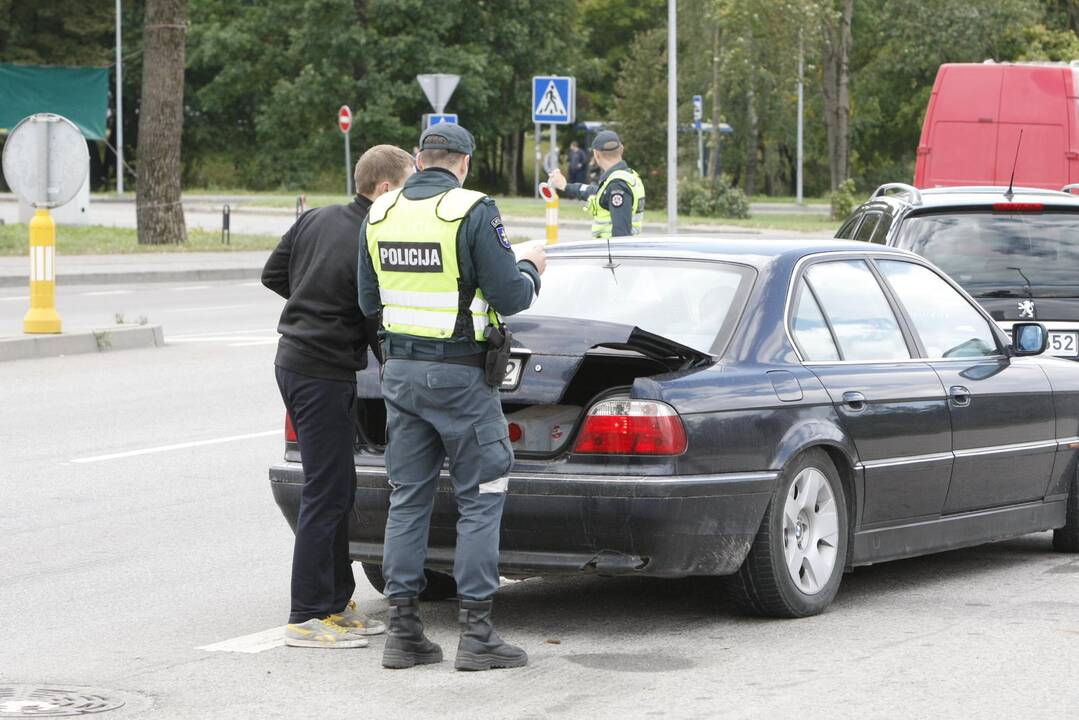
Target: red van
973 120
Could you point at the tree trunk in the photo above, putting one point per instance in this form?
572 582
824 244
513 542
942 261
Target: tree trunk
753 131
161 121
511 163
836 57
713 161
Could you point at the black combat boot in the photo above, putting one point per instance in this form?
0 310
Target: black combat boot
406 644
480 647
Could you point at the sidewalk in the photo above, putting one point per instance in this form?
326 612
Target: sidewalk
141 267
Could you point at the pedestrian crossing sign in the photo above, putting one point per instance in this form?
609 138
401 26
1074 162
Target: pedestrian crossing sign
553 99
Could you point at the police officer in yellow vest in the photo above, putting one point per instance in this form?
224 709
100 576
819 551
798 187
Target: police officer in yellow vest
616 202
436 261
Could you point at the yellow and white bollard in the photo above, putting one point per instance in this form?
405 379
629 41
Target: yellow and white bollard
42 316
550 199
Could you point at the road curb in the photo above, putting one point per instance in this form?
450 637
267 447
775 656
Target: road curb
117 337
143 276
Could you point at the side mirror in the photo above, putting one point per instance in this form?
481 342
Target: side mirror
1029 339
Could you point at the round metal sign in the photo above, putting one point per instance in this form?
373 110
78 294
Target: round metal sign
344 118
45 160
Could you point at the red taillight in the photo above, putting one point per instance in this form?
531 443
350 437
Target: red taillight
1018 207
516 433
632 427
290 431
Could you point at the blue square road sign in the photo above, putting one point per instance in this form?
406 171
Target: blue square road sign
434 119
554 99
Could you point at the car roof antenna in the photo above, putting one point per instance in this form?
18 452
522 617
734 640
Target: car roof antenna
1010 194
611 265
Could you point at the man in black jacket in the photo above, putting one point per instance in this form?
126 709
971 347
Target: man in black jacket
324 342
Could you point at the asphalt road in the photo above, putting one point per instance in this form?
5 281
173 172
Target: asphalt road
137 527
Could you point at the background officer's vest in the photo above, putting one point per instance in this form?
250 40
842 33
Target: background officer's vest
413 247
601 218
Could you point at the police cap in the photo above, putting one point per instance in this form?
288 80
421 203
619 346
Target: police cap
606 140
447 136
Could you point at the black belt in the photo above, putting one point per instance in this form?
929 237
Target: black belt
476 360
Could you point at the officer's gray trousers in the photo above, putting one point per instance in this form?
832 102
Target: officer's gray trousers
434 411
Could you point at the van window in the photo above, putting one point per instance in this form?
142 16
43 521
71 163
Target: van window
880 235
996 254
865 230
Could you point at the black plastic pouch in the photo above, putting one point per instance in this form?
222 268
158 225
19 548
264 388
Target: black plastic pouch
496 363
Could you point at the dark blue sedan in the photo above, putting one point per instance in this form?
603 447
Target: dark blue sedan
773 411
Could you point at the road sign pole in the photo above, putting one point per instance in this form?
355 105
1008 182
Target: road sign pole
539 160
700 151
672 116
347 166
42 316
554 143
118 121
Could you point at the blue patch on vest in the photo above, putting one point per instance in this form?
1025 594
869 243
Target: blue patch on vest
500 231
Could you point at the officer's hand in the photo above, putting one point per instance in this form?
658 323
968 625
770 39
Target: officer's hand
557 179
535 254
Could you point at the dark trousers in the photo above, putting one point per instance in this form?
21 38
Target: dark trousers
323 413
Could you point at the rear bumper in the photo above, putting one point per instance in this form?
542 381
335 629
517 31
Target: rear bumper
557 524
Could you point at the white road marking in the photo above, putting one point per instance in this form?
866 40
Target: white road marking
177 446
253 643
252 343
107 292
190 287
16 297
211 307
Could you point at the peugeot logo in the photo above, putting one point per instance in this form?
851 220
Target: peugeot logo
1026 308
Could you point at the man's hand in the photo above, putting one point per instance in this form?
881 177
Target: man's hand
557 179
535 253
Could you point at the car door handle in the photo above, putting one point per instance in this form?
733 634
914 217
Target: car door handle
854 400
959 395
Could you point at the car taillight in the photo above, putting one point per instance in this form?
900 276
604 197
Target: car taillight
290 431
1018 207
631 427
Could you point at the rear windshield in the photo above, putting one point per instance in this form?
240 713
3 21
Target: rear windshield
693 303
997 254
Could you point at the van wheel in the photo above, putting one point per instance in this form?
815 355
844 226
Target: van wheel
796 562
440 585
1066 539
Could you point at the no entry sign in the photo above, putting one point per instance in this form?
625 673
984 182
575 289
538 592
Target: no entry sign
344 118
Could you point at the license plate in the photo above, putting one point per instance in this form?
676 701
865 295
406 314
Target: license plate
513 373
1063 344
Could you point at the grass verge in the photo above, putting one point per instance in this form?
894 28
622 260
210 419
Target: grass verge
101 240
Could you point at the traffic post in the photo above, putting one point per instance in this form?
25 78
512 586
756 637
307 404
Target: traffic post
45 163
550 199
698 113
438 87
554 102
344 124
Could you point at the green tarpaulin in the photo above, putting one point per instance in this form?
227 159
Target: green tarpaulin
81 94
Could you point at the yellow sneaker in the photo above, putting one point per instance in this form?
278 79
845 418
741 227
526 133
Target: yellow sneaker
321 634
355 622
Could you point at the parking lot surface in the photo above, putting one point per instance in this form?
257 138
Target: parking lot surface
143 556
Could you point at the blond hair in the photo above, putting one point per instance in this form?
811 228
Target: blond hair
382 163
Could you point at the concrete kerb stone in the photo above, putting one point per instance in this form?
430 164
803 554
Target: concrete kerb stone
143 276
117 337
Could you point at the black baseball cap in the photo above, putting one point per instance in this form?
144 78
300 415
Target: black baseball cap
447 136
606 140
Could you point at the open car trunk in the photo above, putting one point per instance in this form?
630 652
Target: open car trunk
559 369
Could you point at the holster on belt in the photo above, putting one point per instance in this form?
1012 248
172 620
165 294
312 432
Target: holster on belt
496 363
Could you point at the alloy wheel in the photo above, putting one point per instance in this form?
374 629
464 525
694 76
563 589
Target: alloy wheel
810 531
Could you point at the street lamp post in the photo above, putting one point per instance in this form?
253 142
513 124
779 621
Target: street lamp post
119 121
672 116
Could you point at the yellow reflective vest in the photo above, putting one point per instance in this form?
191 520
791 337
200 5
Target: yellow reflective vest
601 217
413 247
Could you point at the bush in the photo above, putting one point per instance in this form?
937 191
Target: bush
844 200
711 198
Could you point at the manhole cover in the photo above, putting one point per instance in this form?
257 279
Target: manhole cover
25 701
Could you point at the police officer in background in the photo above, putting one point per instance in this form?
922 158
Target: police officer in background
436 261
616 202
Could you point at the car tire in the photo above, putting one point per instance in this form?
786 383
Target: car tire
440 585
1066 539
810 539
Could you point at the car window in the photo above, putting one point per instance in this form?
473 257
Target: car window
855 305
846 231
946 323
865 230
880 235
809 328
